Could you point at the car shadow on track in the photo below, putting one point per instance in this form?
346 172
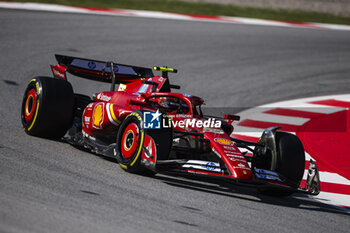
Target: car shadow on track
218 187
300 201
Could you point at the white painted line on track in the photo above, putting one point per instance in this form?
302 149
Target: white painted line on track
334 199
333 26
40 7
308 157
279 119
247 131
304 102
253 21
159 15
315 108
330 177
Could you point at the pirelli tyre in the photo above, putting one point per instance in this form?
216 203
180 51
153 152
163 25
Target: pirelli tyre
290 162
130 143
47 107
291 157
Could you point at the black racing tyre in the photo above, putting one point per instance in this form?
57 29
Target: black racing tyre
290 157
81 101
130 142
47 107
290 162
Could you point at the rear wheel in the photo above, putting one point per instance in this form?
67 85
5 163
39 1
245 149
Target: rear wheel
47 107
290 162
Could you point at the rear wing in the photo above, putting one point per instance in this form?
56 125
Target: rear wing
102 71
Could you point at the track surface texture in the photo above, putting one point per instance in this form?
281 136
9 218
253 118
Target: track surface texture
49 186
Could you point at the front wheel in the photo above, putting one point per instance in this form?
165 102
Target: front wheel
130 139
290 162
291 157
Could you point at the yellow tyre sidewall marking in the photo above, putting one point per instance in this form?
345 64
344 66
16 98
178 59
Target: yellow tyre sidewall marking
139 152
37 106
141 143
36 114
123 166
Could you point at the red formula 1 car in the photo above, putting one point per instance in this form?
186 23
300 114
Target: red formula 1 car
150 129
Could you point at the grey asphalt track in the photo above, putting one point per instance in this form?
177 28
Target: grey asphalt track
49 186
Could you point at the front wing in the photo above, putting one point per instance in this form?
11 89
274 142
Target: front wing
261 179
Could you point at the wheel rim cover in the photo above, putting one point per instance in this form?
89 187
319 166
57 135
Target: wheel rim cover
29 107
130 140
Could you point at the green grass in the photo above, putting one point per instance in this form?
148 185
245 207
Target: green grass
204 9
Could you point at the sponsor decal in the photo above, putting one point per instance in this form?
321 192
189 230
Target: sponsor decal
121 87
115 68
231 148
212 130
89 107
268 175
244 168
233 153
236 156
98 116
195 123
92 65
223 141
241 165
88 136
103 97
151 120
87 119
202 165
144 87
57 73
237 160
210 166
267 172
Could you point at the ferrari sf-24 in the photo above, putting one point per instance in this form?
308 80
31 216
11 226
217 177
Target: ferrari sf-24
150 129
